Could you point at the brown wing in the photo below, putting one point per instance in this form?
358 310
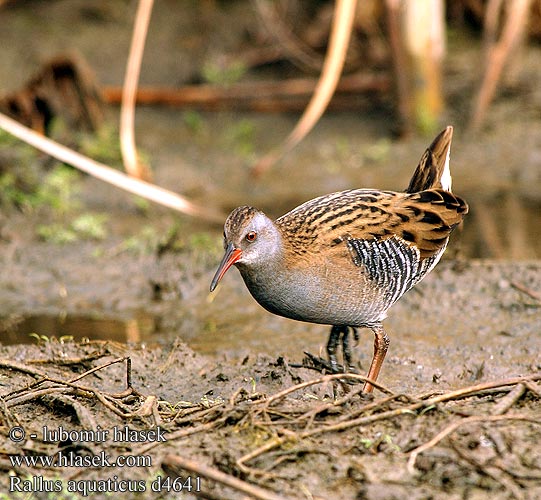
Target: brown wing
423 219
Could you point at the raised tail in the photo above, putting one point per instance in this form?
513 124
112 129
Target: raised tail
433 170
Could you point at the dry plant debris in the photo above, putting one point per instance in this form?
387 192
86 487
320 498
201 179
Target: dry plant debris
263 441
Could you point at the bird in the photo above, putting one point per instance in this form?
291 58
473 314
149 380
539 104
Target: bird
343 259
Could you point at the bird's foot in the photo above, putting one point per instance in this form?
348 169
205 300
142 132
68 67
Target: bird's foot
324 366
320 364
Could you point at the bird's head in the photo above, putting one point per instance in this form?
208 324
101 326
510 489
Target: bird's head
250 240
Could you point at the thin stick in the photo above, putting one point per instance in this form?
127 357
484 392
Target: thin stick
103 172
269 445
505 404
322 380
29 396
67 361
534 389
13 365
46 378
97 368
103 400
217 475
9 418
370 406
128 372
527 291
129 91
471 390
455 425
260 95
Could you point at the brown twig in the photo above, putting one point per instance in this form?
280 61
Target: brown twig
10 419
374 405
509 400
269 445
68 361
129 92
111 406
176 462
478 388
321 380
521 288
98 368
340 426
312 413
14 365
29 396
46 378
69 387
291 94
197 414
533 388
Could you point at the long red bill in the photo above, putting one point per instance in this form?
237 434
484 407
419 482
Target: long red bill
231 256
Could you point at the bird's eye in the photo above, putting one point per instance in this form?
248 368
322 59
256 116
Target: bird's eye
251 236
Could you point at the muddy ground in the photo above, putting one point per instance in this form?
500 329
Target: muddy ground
209 370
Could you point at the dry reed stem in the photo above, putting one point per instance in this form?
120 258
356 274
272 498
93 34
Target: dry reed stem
509 400
79 360
530 293
323 380
129 92
107 174
342 27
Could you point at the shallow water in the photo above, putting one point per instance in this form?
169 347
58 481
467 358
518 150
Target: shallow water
27 329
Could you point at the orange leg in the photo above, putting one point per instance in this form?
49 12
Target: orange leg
381 344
